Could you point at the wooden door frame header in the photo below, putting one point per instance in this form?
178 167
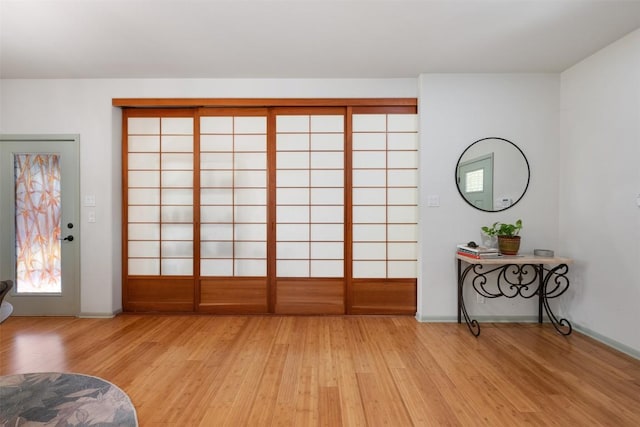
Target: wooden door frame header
262 102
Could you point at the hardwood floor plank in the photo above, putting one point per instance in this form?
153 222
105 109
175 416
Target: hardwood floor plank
382 407
267 393
351 405
329 406
306 405
252 361
186 370
425 406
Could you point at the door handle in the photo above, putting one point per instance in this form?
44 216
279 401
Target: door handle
68 239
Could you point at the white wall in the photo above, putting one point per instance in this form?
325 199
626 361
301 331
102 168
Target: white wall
84 107
456 110
600 101
600 181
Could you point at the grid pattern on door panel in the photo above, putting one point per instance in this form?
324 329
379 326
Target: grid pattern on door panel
160 196
310 195
233 196
384 195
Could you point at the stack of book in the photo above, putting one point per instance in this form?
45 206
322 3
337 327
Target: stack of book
479 252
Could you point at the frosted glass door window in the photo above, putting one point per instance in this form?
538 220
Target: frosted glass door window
160 196
384 195
38 210
310 196
233 196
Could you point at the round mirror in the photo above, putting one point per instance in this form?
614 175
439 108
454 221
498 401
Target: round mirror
492 174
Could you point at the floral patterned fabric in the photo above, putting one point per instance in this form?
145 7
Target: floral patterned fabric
61 400
38 220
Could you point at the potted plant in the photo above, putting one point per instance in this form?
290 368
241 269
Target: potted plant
508 238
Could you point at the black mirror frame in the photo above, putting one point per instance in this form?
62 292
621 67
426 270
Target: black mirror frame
524 191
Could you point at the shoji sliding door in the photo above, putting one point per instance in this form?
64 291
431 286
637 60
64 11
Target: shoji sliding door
384 213
158 204
271 208
310 212
233 211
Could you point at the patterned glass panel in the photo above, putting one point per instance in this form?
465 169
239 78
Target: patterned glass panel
38 223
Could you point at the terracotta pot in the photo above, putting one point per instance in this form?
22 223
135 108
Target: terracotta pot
509 245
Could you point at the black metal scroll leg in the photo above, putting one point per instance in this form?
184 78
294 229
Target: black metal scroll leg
563 326
472 324
540 291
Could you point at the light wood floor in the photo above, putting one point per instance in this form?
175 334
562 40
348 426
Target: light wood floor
299 371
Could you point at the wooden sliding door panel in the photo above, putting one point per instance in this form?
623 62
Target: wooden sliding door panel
232 295
159 294
309 193
385 296
233 212
384 230
158 210
310 296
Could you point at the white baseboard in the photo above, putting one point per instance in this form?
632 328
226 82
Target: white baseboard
481 319
99 315
608 341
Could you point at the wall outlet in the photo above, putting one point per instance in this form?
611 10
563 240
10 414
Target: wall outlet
479 299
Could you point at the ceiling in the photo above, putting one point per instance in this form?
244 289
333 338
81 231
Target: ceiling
303 38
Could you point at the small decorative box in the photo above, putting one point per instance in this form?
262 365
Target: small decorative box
543 252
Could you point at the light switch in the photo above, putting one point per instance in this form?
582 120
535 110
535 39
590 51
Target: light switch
433 200
91 217
90 200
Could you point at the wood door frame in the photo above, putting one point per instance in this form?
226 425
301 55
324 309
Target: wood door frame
199 107
263 102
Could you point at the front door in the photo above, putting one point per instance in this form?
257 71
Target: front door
475 180
39 228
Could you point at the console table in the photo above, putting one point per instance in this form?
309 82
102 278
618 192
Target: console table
525 276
